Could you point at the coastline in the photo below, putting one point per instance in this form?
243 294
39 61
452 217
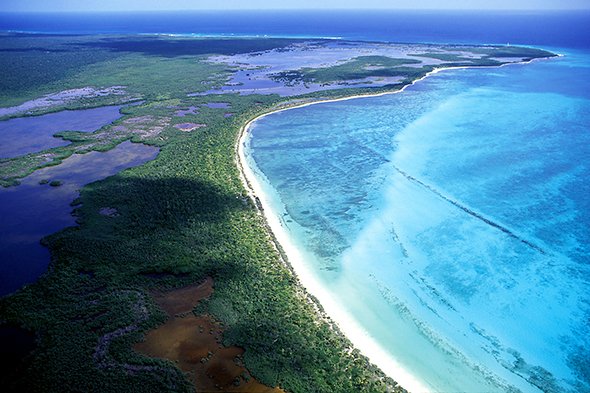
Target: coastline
327 306
178 202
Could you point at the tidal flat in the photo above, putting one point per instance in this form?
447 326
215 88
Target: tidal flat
185 215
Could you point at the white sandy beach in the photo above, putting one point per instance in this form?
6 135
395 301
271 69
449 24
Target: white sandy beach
346 323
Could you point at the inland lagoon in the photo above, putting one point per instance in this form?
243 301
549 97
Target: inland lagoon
448 222
41 204
31 134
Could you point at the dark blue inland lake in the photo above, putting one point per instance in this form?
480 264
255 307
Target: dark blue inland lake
31 211
25 135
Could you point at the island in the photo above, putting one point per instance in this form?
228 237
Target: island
170 279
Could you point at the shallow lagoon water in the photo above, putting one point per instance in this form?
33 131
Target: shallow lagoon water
451 220
25 135
32 211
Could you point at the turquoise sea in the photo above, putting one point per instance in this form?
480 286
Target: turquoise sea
451 221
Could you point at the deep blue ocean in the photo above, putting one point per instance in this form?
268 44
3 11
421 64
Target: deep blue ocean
563 29
450 221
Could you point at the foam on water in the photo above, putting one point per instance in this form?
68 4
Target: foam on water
450 221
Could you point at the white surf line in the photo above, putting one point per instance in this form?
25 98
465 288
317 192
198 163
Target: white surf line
470 212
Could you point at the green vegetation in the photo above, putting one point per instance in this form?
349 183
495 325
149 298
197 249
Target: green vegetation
185 216
55 183
488 55
188 46
512 51
358 68
443 56
363 67
34 65
152 67
180 218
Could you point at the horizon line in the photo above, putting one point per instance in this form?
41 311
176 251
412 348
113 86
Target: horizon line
302 9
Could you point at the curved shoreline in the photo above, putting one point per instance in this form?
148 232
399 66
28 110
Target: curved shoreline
293 257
